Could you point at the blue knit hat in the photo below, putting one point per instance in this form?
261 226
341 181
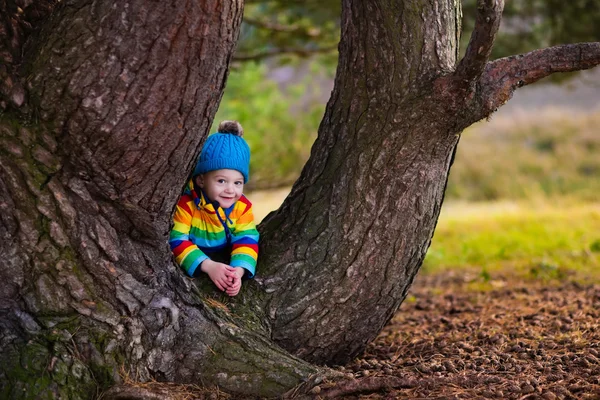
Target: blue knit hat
225 149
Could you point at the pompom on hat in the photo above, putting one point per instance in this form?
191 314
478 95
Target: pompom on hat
225 149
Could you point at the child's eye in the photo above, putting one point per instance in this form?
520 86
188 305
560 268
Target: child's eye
221 181
238 183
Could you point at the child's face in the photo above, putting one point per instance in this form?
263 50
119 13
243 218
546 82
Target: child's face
224 186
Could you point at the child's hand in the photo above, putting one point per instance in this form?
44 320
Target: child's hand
222 275
234 289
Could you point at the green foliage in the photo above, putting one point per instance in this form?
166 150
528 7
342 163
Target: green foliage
290 30
273 27
531 24
280 125
485 275
545 270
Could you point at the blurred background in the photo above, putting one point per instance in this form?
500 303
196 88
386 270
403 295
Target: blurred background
524 190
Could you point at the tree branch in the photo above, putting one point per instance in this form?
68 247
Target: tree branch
503 76
489 15
298 51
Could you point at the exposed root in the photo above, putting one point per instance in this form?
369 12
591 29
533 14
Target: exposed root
123 392
364 385
344 385
161 391
153 390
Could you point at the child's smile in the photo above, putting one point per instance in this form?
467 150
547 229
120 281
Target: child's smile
224 186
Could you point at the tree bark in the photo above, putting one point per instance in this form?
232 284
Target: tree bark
342 251
119 98
113 103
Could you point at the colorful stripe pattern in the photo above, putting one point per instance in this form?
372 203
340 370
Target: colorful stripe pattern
199 229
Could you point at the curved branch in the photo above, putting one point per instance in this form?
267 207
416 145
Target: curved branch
489 15
503 76
298 51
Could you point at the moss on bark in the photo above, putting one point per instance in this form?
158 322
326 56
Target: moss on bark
46 370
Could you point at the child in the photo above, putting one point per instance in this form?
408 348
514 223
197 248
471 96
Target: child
213 217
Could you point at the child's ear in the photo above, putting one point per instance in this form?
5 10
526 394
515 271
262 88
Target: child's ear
199 181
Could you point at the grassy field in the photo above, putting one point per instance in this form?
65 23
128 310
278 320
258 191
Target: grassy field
532 241
528 240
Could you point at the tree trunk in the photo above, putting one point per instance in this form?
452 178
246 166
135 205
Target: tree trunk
358 222
120 96
104 116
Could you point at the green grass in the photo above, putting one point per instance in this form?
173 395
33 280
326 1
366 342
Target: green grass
532 241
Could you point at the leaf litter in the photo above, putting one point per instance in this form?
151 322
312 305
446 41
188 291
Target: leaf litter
522 340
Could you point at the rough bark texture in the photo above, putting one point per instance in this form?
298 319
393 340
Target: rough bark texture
358 222
104 112
18 20
120 96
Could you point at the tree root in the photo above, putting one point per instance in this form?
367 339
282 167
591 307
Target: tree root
370 384
161 391
335 389
126 392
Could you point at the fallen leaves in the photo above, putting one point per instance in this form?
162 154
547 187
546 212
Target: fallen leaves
523 340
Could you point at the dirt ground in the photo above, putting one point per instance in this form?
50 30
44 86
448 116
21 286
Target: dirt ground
521 340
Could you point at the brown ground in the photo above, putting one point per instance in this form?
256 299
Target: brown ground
523 340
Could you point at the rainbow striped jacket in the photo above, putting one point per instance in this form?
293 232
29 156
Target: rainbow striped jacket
199 230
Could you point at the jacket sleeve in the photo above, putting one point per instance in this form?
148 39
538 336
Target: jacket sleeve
187 254
244 240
